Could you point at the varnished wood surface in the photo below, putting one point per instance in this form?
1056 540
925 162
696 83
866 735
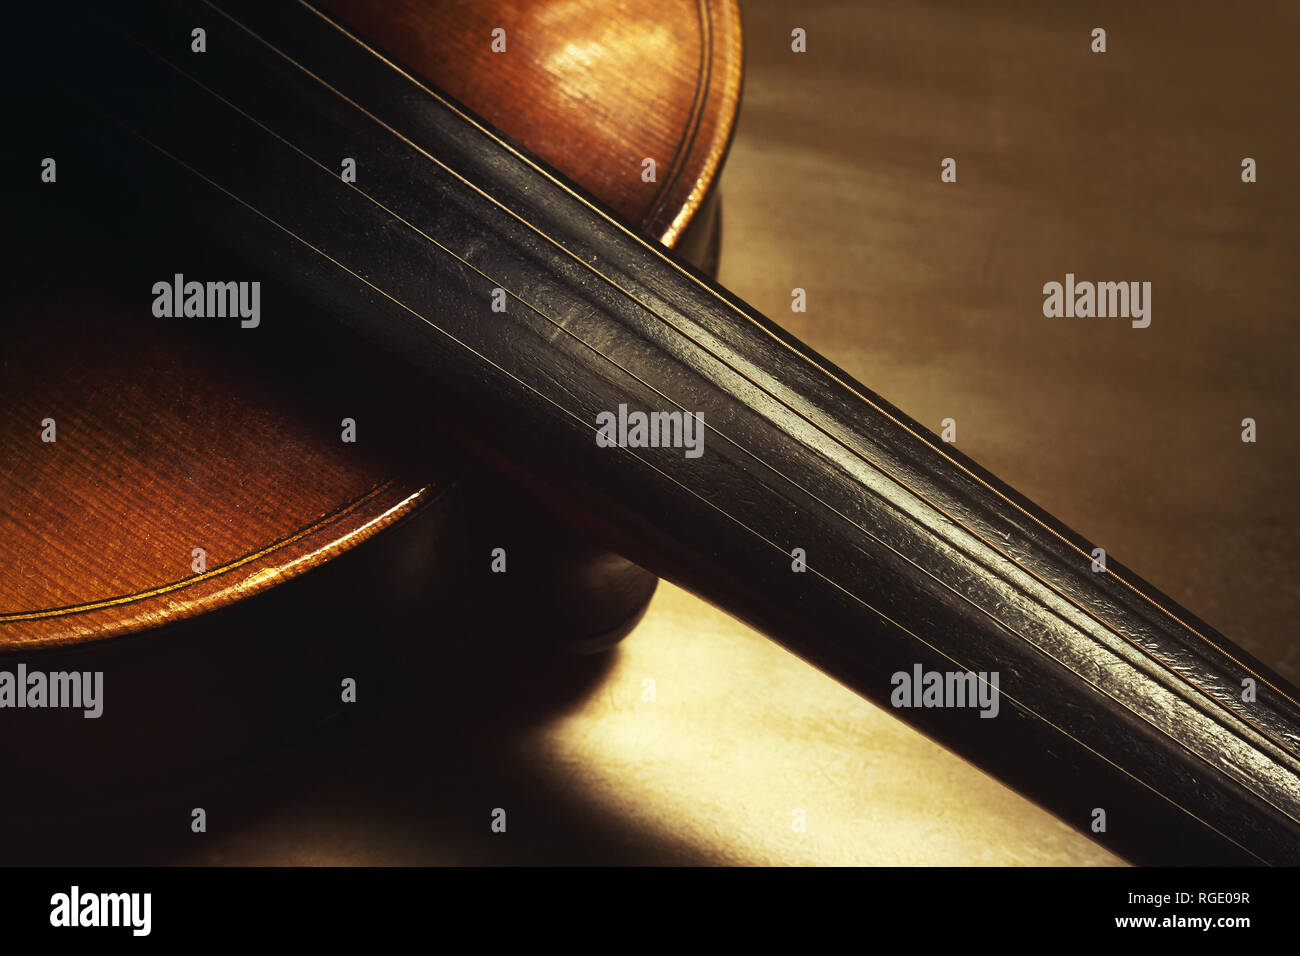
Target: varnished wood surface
592 86
167 442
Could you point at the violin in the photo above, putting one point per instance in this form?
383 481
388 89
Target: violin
242 635
404 239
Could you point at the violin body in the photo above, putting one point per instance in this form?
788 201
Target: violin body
199 526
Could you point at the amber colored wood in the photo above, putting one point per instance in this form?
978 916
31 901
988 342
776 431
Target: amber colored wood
168 440
162 447
594 87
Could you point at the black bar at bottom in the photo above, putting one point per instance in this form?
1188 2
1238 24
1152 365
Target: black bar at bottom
334 905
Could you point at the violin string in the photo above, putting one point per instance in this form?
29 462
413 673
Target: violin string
657 250
852 450
690 491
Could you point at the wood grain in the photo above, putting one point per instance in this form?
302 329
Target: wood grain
591 86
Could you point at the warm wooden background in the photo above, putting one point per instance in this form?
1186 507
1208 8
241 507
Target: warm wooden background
1122 166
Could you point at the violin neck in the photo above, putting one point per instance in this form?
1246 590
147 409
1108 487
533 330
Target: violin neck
722 453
